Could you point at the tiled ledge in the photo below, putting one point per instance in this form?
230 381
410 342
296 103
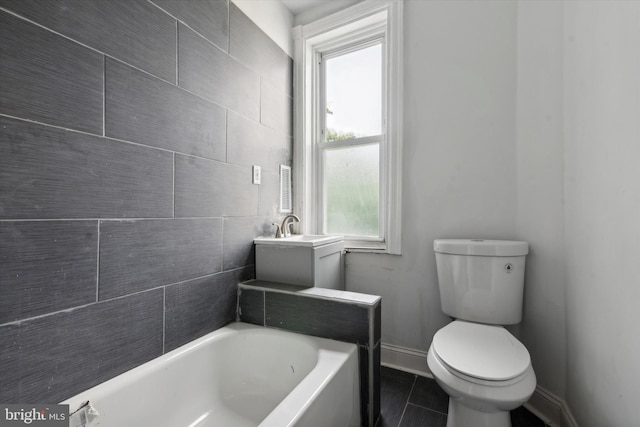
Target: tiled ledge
328 313
351 297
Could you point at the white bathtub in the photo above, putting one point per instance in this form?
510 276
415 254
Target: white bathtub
240 375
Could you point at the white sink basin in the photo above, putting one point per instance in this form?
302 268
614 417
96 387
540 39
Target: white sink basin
298 240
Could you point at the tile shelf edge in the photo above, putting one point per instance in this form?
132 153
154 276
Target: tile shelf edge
322 293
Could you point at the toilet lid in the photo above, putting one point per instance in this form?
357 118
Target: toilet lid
481 351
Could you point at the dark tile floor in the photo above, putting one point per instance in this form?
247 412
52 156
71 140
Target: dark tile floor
408 400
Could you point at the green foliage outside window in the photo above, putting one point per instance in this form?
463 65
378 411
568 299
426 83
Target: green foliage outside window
334 135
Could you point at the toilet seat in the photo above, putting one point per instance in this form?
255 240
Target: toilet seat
482 352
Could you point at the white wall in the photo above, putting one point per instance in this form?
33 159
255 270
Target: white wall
321 10
460 155
522 120
602 214
540 214
272 17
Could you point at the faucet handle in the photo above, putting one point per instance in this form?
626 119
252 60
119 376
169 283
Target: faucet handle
278 231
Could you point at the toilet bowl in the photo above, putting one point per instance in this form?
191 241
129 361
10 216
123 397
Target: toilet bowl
485 371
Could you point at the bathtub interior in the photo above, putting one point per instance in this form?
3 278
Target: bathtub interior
336 403
240 375
253 392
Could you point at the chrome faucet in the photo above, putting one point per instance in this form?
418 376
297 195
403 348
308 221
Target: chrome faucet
287 222
278 230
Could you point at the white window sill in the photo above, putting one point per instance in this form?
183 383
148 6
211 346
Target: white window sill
359 246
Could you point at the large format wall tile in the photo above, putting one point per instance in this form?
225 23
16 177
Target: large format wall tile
377 324
48 78
376 380
126 213
256 50
269 198
199 306
211 73
210 18
141 108
319 317
276 108
206 188
364 359
203 66
252 143
51 358
238 247
46 266
199 188
53 173
241 196
251 306
144 254
134 31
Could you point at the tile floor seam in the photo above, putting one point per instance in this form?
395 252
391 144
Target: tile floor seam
406 403
426 408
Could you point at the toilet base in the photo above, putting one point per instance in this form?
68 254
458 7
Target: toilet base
464 416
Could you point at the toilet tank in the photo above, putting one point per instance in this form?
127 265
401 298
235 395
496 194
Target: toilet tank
481 280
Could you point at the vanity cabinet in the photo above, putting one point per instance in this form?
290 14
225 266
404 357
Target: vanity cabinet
317 266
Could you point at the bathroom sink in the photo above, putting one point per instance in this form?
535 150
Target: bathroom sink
301 259
298 240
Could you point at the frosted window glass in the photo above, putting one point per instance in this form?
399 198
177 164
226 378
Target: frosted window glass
352 178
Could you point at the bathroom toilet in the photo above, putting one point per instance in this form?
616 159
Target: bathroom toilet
483 368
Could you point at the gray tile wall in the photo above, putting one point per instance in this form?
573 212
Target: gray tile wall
127 134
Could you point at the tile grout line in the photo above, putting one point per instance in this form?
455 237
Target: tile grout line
104 95
180 21
71 309
74 308
415 379
133 143
177 53
174 84
98 264
427 409
226 135
164 317
174 186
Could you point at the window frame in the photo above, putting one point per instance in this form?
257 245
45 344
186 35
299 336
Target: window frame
321 145
352 26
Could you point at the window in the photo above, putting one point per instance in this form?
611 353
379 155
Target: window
349 141
348 119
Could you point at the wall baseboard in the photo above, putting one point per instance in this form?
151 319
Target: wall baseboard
405 359
544 404
550 409
567 417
